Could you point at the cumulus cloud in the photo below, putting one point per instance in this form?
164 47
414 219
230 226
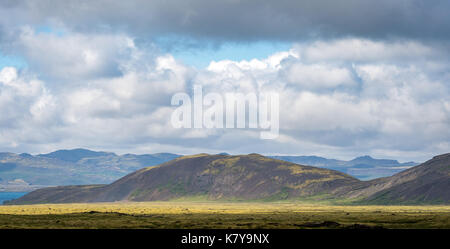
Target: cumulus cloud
367 105
318 76
64 57
360 102
354 82
26 105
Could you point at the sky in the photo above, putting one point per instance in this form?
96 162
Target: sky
354 78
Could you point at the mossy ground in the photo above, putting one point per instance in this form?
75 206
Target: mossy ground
201 214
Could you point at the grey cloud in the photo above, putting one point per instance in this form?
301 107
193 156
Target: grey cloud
250 20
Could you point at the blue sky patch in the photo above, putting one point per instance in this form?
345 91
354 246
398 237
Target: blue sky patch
200 56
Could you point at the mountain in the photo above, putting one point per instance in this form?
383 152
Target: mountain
428 183
82 166
75 155
70 167
312 160
372 161
363 168
255 177
210 176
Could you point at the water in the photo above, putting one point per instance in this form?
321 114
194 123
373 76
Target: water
5 196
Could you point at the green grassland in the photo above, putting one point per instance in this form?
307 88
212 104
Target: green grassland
201 214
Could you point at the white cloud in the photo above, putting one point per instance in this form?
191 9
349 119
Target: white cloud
318 76
364 50
28 109
337 98
8 75
74 55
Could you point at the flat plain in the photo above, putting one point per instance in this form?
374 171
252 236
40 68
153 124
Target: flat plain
200 214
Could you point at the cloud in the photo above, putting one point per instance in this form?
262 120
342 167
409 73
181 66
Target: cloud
28 109
360 78
246 20
74 55
318 76
365 50
331 107
362 102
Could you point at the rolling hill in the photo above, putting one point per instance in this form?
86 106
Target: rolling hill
255 177
26 172
211 176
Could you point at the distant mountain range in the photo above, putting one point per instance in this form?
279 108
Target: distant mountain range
363 168
427 183
255 177
25 172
